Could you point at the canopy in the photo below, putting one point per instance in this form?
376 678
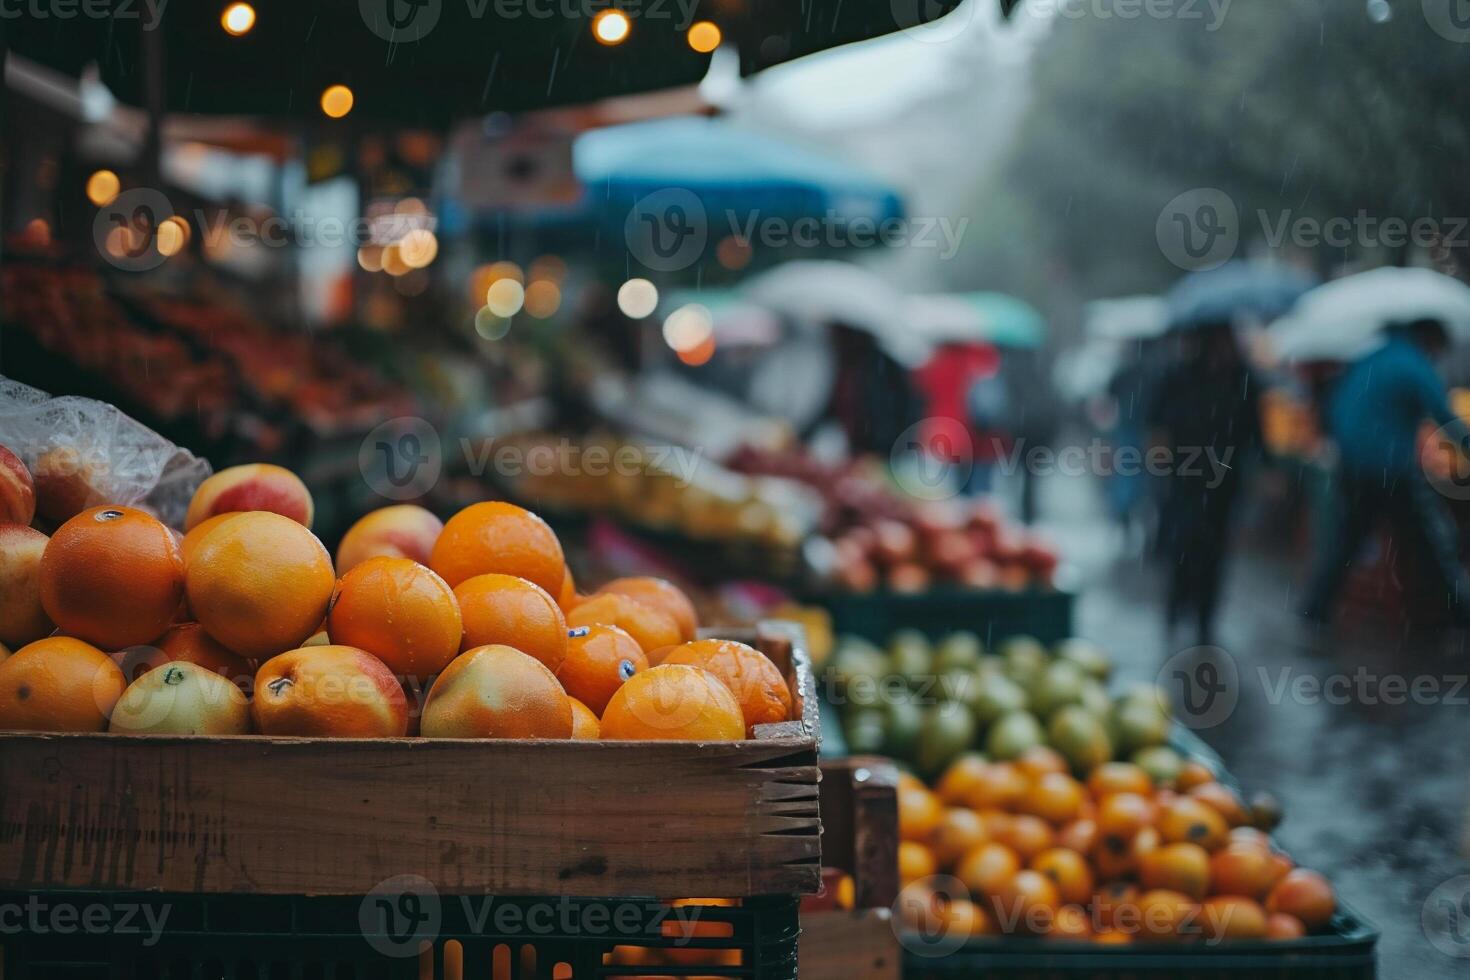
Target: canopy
1126 318
735 320
1343 320
815 293
734 172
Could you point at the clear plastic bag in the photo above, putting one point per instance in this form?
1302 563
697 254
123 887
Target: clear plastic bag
90 453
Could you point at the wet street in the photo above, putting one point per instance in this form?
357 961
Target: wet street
1360 732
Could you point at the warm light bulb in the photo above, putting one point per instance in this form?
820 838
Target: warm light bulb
637 298
238 19
102 187
704 36
611 27
337 101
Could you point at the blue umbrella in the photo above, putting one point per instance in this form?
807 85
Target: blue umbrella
735 173
1263 289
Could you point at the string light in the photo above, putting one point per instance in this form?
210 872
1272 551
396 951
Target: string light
337 101
238 19
611 27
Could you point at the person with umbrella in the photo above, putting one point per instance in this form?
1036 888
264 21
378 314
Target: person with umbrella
1206 413
1374 414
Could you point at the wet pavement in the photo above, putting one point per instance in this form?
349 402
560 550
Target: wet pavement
1370 764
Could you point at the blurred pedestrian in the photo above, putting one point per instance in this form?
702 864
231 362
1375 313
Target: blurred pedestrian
1206 413
952 381
1374 415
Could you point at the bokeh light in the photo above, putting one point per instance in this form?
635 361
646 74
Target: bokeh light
688 327
699 354
418 248
337 101
704 36
611 27
393 263
490 326
238 19
637 298
102 188
505 297
543 299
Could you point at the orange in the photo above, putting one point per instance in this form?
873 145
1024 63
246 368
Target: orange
1188 820
260 583
599 660
1039 760
1232 917
496 691
1242 869
504 609
112 576
400 612
1184 868
399 531
755 681
988 868
958 832
1070 922
962 917
566 596
1165 915
329 691
1119 819
1028 836
1080 835
1193 773
189 643
1118 777
650 626
1000 787
1069 871
660 594
961 778
199 531
673 701
1280 926
584 723
915 862
1026 904
919 810
1054 797
494 536
1223 800
58 684
1115 907
1304 894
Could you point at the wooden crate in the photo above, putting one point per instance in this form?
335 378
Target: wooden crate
306 816
859 838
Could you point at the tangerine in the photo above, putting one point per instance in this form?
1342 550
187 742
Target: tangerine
673 701
599 660
494 536
755 681
400 612
58 684
504 609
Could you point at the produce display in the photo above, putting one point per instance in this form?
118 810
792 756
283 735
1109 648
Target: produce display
240 623
1054 809
884 538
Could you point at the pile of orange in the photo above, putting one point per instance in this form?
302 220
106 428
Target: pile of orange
472 628
1023 848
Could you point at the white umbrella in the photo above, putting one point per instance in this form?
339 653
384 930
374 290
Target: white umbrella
1343 320
817 292
1127 318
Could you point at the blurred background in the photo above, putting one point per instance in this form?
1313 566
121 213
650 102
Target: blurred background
1138 322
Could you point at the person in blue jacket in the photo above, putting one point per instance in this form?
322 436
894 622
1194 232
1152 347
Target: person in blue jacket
1374 415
